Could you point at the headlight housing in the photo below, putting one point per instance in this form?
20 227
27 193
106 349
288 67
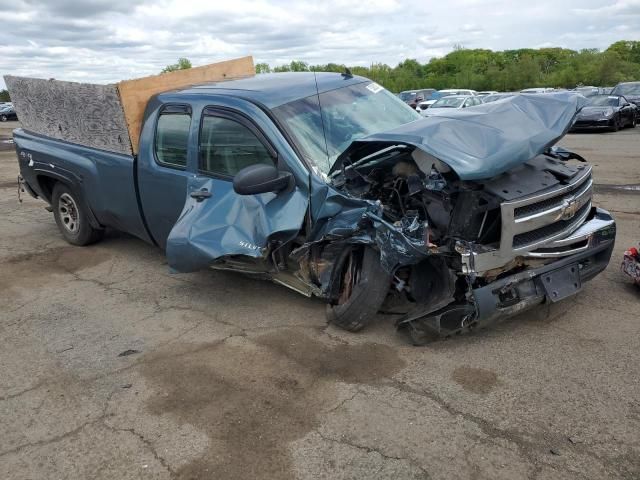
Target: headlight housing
607 113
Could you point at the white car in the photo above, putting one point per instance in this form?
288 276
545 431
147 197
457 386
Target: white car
452 101
537 90
456 91
484 93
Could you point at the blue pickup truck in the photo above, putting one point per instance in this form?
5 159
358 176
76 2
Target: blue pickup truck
330 185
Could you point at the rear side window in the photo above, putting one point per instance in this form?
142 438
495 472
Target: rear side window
228 146
172 136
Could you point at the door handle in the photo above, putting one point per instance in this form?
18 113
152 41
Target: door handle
200 195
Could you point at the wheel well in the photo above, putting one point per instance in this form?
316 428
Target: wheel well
46 186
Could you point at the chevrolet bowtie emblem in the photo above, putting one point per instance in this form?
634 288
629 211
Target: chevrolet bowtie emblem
569 209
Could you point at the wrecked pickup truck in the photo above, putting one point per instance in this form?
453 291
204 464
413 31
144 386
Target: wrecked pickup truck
330 185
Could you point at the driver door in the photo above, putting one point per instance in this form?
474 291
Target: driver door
216 223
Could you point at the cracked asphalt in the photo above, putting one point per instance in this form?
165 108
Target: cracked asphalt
232 378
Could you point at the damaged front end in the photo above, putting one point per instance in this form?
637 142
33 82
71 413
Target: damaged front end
466 249
462 253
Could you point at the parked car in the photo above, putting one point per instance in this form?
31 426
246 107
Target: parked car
451 101
497 96
7 113
413 97
484 93
588 91
460 220
537 90
628 90
610 112
456 91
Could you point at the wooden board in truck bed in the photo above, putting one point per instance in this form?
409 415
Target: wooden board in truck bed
108 117
81 113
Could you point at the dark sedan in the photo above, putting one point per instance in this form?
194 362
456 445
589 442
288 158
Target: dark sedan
610 112
7 113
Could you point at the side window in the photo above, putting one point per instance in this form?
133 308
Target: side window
227 146
172 136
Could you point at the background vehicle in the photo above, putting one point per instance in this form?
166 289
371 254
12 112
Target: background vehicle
588 91
497 96
7 113
537 90
609 112
353 203
628 90
631 264
451 101
413 97
456 91
487 92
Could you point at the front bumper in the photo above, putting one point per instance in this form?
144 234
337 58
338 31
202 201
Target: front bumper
600 123
568 268
522 291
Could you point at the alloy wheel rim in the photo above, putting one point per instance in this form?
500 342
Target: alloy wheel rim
68 211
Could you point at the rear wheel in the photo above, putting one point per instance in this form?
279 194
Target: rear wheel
633 123
363 288
3 118
71 218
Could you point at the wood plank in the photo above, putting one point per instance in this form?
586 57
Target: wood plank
135 94
81 113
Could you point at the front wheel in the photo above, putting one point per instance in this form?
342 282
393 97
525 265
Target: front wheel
364 285
634 121
615 124
3 118
71 218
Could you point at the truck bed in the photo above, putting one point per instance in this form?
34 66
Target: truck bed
108 176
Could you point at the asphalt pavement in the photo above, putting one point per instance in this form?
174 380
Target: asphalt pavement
112 368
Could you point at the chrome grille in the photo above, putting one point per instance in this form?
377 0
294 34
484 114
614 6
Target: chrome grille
540 218
535 236
550 203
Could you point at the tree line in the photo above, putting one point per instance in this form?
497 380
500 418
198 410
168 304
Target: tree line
482 69
506 70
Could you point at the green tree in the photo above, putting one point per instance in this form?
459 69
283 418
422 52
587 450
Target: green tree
507 70
183 64
4 96
263 68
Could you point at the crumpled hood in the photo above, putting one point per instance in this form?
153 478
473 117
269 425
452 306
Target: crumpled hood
483 141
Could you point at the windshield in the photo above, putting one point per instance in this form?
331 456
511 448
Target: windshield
627 89
448 102
323 126
603 101
406 96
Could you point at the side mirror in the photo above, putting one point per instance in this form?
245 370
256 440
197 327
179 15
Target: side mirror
260 178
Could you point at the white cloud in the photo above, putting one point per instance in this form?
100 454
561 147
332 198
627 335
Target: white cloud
108 40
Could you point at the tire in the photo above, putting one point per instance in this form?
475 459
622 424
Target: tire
615 126
71 218
358 306
633 123
3 118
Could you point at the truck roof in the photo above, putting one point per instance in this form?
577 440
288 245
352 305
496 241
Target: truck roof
271 89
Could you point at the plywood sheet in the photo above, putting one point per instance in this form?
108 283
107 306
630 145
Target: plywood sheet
81 113
135 94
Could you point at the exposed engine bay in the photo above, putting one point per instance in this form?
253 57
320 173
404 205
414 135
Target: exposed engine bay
443 215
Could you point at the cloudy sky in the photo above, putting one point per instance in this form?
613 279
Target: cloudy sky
109 40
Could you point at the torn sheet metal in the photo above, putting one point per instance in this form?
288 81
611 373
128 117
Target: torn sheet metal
228 224
483 141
